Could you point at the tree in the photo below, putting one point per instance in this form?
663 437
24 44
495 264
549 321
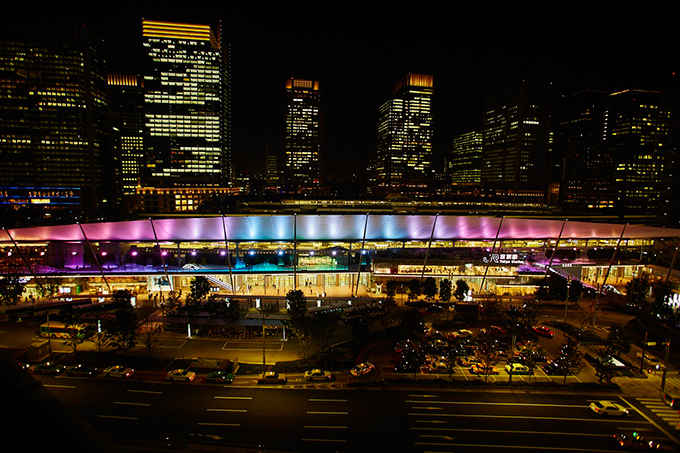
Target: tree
488 357
636 290
72 320
585 314
123 327
388 312
618 341
413 289
557 288
570 359
543 291
151 338
172 304
11 289
232 311
445 290
462 289
46 286
412 321
101 337
575 290
301 322
391 288
200 288
430 288
661 292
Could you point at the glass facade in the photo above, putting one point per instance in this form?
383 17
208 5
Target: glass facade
303 131
186 88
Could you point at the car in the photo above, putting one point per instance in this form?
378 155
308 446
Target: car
478 368
434 309
362 368
554 368
271 377
48 368
468 360
219 377
517 368
651 362
543 331
318 375
460 334
607 408
635 441
80 370
406 366
435 367
118 371
180 375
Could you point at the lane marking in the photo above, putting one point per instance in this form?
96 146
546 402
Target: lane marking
323 440
131 404
219 424
522 447
514 432
326 413
325 427
431 421
234 397
525 417
651 421
59 386
227 410
117 417
423 396
328 400
476 403
428 408
145 391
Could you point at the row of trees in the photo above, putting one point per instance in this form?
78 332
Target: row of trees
429 289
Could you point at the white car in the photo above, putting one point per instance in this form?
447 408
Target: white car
608 408
180 375
118 371
271 377
318 375
463 333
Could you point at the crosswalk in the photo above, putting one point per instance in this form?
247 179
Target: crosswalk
661 410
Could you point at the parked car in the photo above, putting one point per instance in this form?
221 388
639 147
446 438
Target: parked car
80 370
462 333
608 408
652 363
219 377
118 371
517 368
48 368
362 368
180 375
544 331
318 375
478 368
271 377
435 367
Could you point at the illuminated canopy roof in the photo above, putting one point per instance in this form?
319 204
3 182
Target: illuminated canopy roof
332 228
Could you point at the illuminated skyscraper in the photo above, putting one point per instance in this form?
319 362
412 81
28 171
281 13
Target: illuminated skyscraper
635 135
303 131
405 133
54 145
186 106
126 98
516 137
465 165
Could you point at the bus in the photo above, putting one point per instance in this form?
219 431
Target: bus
56 329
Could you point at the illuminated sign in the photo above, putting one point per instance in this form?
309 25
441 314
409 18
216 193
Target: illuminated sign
503 258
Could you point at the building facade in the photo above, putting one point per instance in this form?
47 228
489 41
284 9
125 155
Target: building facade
304 121
516 137
465 164
54 147
405 131
186 106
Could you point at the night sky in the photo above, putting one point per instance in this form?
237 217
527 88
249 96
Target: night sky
359 50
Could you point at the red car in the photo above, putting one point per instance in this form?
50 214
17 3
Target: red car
544 332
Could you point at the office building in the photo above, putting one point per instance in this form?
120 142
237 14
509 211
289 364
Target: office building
635 135
304 121
126 99
186 106
54 147
516 138
465 163
404 155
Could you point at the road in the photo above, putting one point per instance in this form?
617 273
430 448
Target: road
321 419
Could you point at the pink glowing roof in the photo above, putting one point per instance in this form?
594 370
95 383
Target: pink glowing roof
332 228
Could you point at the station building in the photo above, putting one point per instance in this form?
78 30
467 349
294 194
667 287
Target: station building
330 256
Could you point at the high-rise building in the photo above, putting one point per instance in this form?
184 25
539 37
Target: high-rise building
186 106
405 132
465 164
635 133
126 98
54 146
516 137
303 131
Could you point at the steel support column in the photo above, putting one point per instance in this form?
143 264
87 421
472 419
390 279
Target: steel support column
96 260
493 247
429 245
363 243
160 252
226 243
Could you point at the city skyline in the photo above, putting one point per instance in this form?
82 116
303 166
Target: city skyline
357 55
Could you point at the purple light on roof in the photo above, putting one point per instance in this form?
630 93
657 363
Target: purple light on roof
164 253
222 252
193 253
104 253
134 253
